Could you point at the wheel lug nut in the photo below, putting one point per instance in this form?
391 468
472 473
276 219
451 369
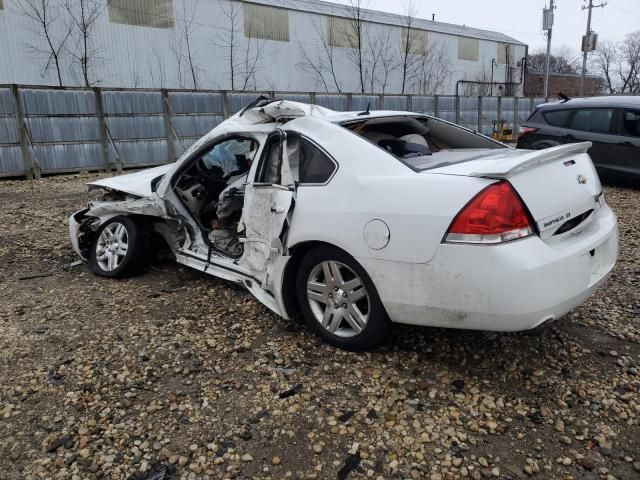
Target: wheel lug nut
344 294
330 295
335 289
344 305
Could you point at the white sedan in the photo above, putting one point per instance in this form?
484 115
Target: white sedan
358 220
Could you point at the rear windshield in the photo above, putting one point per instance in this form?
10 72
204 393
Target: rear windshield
421 142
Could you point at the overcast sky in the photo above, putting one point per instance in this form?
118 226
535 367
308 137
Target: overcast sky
522 19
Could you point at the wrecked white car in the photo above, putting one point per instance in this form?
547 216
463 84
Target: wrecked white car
359 220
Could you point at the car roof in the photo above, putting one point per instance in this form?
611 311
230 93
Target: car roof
632 101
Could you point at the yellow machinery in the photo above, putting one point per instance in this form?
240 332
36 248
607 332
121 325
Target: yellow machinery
502 131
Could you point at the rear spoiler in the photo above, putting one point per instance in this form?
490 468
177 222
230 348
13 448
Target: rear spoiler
506 168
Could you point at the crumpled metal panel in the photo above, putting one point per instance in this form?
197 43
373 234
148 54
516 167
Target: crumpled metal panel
11 161
132 102
237 101
136 127
69 156
6 101
334 102
195 125
8 130
193 102
63 129
396 102
360 102
143 152
424 104
49 101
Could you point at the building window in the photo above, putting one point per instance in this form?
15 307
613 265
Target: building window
270 23
417 43
1 5
341 33
143 13
468 48
505 55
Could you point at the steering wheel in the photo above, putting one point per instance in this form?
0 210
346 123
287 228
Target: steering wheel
214 174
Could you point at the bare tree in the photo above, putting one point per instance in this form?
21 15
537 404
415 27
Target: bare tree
355 35
431 70
408 45
242 55
603 61
158 77
320 58
183 49
483 87
561 60
45 15
619 64
83 15
381 61
628 68
252 56
229 37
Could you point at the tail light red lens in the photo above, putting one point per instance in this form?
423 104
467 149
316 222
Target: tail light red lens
524 130
494 215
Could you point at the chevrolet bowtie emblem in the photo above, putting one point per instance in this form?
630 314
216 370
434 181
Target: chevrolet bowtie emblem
582 179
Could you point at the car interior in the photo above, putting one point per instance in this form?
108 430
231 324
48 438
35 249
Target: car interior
212 189
422 143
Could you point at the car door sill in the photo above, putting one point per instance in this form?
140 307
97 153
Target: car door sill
231 274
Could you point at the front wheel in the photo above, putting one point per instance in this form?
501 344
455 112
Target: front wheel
339 301
119 249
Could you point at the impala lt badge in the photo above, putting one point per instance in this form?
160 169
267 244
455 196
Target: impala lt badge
582 179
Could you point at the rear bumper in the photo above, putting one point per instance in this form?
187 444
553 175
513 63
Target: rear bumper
509 287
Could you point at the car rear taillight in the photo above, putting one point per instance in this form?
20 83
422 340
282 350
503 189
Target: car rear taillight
494 215
525 130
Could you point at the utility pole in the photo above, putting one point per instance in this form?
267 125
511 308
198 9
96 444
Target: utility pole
588 43
547 24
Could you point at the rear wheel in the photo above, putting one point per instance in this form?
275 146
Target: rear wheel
119 249
339 301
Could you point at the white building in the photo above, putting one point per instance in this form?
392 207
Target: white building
282 45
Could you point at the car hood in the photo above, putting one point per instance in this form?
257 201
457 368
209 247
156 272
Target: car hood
138 183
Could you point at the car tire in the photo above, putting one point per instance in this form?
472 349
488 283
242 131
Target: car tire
339 301
541 145
119 249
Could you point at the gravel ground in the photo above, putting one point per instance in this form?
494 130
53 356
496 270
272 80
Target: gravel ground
176 374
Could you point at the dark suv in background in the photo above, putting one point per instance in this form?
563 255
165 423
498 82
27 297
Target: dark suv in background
612 124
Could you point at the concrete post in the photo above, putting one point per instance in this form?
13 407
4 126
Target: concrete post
28 162
171 153
102 124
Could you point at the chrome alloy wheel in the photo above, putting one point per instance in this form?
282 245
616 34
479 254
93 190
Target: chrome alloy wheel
112 246
338 298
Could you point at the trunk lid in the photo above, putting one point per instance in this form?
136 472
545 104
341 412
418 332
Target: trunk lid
558 185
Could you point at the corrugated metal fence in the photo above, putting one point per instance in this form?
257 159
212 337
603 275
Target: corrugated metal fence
54 130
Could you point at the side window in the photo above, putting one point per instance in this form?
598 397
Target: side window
631 123
592 120
309 164
557 118
269 170
315 166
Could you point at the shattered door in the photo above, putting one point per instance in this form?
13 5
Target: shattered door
269 201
